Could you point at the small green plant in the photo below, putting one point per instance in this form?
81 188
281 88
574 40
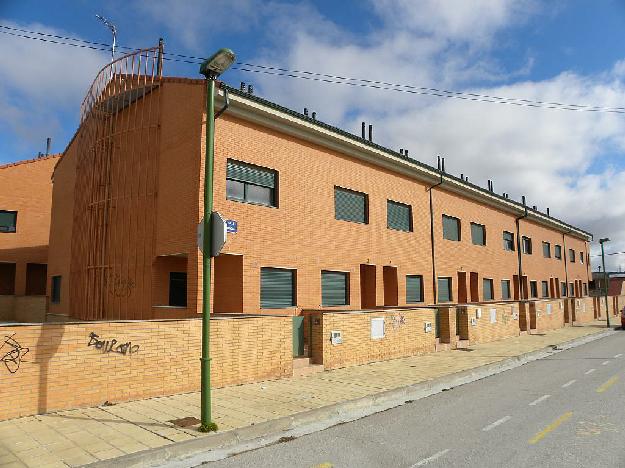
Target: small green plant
210 427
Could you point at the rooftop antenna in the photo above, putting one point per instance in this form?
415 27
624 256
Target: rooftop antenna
113 30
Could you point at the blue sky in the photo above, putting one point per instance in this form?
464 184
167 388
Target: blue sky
567 51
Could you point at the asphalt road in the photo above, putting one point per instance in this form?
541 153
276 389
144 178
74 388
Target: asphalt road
567 410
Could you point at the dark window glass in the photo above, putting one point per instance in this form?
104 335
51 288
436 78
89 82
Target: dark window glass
581 257
177 289
8 221
398 216
250 184
487 286
533 289
351 206
55 290
334 288
571 289
277 288
444 290
546 250
572 255
478 234
7 278
563 289
557 252
585 289
451 228
508 240
505 289
414 289
545 286
526 242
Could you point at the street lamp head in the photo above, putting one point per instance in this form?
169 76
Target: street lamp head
604 239
217 63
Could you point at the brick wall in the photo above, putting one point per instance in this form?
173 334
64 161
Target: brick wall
59 369
485 330
547 315
584 310
404 335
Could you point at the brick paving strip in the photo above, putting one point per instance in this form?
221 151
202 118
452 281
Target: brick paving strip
140 431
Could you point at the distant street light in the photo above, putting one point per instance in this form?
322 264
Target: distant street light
605 278
113 30
211 68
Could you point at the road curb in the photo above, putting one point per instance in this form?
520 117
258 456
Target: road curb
221 445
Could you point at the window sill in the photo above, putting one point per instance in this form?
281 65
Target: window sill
251 203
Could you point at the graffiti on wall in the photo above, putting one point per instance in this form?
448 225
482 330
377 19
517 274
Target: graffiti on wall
399 320
12 353
112 346
121 287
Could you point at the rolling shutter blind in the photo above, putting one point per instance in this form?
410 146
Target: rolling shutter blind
488 289
250 174
414 289
444 289
451 229
276 288
505 289
478 234
350 206
398 216
333 288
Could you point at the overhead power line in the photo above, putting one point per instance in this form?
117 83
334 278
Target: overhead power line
319 77
608 254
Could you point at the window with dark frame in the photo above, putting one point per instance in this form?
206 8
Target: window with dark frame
545 287
414 289
478 234
571 289
55 289
451 228
487 289
533 289
546 250
398 216
8 221
571 255
557 252
444 289
508 241
526 244
581 257
277 288
505 289
563 289
251 184
177 289
350 205
334 288
585 289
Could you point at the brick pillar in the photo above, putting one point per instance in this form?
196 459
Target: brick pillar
20 279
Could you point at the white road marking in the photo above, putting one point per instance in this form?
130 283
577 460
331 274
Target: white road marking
425 461
590 371
542 398
497 423
618 355
569 383
605 363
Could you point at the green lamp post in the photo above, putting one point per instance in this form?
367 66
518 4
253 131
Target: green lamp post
605 277
211 68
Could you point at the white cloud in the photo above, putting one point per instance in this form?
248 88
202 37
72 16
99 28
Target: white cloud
41 84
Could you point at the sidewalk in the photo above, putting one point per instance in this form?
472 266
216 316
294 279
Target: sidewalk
83 436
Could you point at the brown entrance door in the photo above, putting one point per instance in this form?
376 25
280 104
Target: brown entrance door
367 286
462 287
389 277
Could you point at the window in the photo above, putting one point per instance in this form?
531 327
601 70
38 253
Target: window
533 289
478 234
571 255
444 290
398 216
581 257
451 228
414 289
546 250
487 286
571 290
505 289
8 221
250 184
55 290
277 288
177 289
334 288
557 252
377 328
351 206
526 243
585 289
508 241
545 285
563 289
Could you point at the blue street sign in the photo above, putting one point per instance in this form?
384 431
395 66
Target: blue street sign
231 225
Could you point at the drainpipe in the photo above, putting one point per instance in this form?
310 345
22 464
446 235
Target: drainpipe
434 282
566 269
518 248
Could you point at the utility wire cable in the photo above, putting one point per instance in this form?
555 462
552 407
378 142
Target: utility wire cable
319 77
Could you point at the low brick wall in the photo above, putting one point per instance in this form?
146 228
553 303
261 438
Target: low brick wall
404 335
24 309
7 308
584 310
60 366
546 315
492 322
